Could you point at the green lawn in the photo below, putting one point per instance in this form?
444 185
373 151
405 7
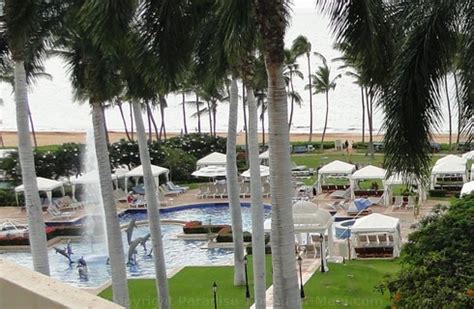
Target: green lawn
315 159
192 288
350 285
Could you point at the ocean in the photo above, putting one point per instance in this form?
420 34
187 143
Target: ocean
53 106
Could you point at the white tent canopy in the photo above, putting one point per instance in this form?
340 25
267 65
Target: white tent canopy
334 168
448 169
137 172
210 172
264 157
367 172
468 155
467 188
378 224
402 179
45 185
212 159
264 172
451 159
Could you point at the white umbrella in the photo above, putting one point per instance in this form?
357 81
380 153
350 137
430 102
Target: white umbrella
210 172
264 172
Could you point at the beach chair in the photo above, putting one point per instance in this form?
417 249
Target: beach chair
162 199
243 189
166 191
202 191
311 251
398 202
411 203
57 214
174 187
266 189
221 190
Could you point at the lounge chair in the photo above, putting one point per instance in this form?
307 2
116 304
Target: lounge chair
295 167
162 199
310 251
266 189
398 202
174 187
243 189
221 190
167 192
211 193
410 203
56 213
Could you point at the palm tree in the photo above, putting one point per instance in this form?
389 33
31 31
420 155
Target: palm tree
94 77
271 19
301 46
426 35
26 32
291 69
118 102
323 83
450 120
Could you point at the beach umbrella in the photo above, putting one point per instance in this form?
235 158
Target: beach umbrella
210 172
264 172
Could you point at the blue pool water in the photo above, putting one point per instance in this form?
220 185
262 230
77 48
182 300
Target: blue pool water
177 252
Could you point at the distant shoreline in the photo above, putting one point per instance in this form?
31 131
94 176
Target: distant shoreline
56 138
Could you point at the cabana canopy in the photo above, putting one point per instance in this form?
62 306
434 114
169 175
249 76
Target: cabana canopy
367 172
265 157
378 224
402 179
210 172
137 172
448 168
467 188
468 155
212 159
452 159
335 168
45 185
264 172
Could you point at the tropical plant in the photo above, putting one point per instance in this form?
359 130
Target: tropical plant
437 263
272 19
301 46
323 82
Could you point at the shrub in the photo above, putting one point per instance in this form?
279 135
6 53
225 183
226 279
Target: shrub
203 229
7 197
227 237
268 249
438 193
197 144
180 163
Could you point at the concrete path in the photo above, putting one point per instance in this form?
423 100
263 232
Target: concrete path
308 268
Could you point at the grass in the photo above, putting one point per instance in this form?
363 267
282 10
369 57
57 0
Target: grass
350 285
192 288
313 160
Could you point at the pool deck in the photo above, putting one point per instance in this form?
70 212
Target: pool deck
406 217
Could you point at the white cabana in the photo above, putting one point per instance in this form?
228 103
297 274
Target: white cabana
210 172
335 168
467 188
44 185
448 169
264 172
309 219
212 159
368 172
265 158
137 172
451 159
377 224
401 179
468 155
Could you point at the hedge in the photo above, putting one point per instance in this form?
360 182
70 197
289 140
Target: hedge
227 237
51 232
268 249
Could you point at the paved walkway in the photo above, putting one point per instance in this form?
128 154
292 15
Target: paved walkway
308 268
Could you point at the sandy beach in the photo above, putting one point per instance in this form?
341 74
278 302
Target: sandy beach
55 138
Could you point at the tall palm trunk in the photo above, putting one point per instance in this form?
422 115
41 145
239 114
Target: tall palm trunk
363 113
36 228
285 282
35 141
244 108
258 238
325 121
262 118
153 122
114 236
458 99
292 107
153 213
369 103
107 139
185 124
162 115
450 120
124 122
209 110
233 187
310 99
131 121
150 136
214 117
198 113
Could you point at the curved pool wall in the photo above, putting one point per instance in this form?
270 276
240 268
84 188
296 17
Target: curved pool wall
343 228
178 252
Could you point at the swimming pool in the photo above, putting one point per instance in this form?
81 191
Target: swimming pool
177 252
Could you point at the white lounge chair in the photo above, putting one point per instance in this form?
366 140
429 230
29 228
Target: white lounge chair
211 193
221 190
202 191
266 189
398 202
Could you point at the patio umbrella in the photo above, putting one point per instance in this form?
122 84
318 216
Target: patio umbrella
210 172
264 172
